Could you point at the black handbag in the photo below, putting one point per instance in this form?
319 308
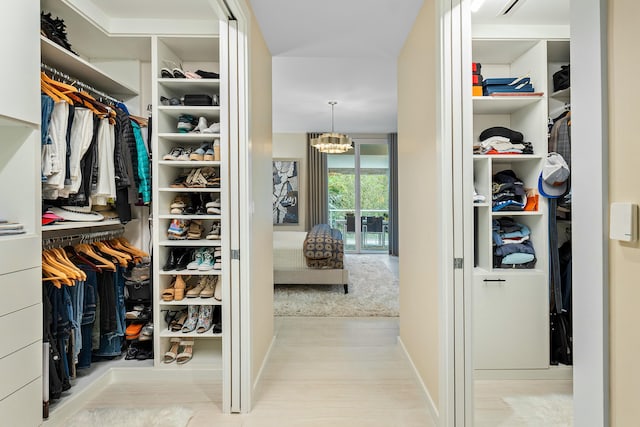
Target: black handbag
138 291
562 78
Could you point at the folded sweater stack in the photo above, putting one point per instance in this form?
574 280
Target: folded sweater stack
508 192
501 140
512 247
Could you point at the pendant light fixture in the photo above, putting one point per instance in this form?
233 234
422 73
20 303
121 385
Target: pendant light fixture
332 143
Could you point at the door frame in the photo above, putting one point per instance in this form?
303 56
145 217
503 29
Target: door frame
589 188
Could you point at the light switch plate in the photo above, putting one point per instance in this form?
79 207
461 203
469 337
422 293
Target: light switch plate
623 222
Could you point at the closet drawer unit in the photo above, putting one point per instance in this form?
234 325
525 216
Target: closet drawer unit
510 321
24 407
20 329
20 368
18 254
24 288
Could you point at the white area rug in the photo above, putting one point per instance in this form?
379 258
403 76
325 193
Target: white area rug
173 416
373 291
554 410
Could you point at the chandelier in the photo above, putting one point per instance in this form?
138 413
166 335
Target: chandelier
332 143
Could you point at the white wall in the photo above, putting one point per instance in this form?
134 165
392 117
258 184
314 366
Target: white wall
418 216
294 146
624 175
260 134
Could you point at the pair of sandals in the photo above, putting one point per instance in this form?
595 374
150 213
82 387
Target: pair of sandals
175 292
181 357
198 178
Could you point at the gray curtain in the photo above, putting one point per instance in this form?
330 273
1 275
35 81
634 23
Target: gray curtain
318 193
393 194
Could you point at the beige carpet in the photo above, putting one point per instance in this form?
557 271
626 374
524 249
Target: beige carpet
373 291
172 416
550 411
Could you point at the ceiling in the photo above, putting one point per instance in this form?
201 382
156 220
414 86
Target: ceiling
347 51
335 50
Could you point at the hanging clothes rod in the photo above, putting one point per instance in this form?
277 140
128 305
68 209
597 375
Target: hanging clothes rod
74 239
76 82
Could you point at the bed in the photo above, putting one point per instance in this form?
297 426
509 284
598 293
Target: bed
290 264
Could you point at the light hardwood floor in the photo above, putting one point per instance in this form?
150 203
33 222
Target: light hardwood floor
322 372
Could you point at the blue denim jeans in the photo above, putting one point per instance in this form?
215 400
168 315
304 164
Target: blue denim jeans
88 317
77 302
111 343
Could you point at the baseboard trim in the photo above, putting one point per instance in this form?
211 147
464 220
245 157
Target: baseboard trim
433 409
552 373
257 383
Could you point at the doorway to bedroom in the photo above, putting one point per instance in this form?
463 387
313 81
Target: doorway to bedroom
358 188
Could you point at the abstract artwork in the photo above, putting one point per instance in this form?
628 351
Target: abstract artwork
285 191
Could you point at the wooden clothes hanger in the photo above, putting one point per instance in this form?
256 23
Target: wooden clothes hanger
51 260
123 259
88 250
62 256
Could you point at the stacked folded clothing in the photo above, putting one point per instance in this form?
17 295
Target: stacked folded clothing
507 84
508 192
512 247
501 140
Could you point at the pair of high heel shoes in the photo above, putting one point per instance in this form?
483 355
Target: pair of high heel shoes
196 318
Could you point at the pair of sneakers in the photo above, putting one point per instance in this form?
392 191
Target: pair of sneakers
178 153
203 127
206 259
213 207
186 123
204 152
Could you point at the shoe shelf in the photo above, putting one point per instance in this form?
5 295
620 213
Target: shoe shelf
188 190
177 334
194 110
207 354
190 163
190 273
188 137
192 242
203 217
192 301
191 85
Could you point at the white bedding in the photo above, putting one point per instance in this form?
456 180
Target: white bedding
287 250
290 266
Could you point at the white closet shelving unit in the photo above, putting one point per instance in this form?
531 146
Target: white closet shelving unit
510 306
210 350
21 305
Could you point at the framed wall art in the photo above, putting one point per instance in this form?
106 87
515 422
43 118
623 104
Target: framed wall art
285 191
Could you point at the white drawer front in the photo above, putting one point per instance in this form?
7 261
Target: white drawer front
22 289
20 368
20 328
24 407
20 253
510 321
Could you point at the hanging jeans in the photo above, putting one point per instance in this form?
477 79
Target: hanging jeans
88 316
111 339
77 302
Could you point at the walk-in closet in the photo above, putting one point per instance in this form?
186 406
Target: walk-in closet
114 234
520 301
